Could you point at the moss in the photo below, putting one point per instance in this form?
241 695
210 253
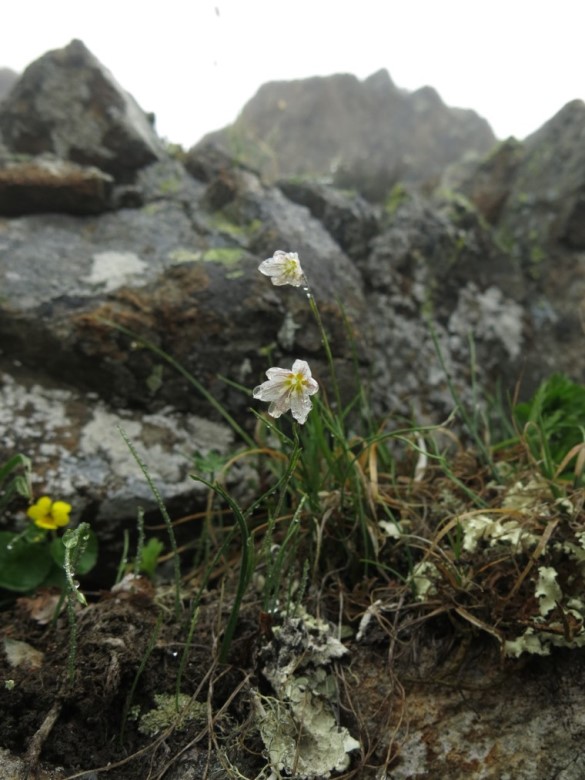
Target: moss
225 255
169 710
228 255
220 222
396 197
170 186
184 255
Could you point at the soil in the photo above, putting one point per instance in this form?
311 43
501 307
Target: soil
80 718
408 679
128 651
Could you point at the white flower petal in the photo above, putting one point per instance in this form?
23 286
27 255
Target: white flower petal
283 268
300 406
269 392
288 389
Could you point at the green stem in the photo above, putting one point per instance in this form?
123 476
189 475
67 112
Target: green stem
167 520
326 346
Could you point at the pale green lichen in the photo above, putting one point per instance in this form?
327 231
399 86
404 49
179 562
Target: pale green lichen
298 726
548 591
423 579
178 712
224 255
494 530
301 735
184 255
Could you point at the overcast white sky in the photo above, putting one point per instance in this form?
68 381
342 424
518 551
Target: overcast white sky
195 63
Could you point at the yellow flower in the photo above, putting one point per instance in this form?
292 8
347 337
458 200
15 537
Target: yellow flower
288 389
49 514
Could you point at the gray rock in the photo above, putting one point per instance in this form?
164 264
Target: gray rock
66 103
365 135
533 194
8 78
349 218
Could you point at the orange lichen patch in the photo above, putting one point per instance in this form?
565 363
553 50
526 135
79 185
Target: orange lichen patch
56 185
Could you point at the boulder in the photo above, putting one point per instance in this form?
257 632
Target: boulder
365 135
67 104
349 218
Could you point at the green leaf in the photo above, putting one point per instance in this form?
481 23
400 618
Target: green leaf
554 417
149 555
23 566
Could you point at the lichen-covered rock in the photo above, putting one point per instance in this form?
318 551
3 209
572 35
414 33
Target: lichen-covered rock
486 182
533 194
79 455
435 269
66 103
182 275
474 717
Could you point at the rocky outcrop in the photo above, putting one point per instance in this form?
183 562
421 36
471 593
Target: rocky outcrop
364 135
170 259
66 103
533 193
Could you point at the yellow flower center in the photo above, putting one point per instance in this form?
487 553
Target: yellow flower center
296 382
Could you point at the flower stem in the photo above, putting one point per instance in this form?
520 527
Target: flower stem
326 346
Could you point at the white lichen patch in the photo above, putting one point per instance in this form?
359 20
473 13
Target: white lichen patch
111 270
302 737
491 316
548 591
494 530
79 455
423 579
300 732
164 441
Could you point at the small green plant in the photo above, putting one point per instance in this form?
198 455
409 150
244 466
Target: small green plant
149 555
15 480
552 423
36 555
75 543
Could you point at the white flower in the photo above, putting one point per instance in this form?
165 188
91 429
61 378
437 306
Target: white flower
288 389
283 268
